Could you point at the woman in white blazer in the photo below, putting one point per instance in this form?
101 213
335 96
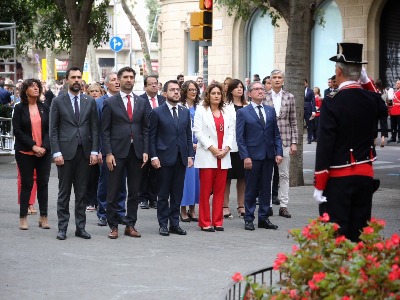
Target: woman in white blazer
214 130
235 100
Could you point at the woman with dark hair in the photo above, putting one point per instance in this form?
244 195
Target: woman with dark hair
32 149
383 121
235 100
227 81
215 130
190 98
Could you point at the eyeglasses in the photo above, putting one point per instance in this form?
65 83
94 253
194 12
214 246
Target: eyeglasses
258 89
175 90
192 90
152 84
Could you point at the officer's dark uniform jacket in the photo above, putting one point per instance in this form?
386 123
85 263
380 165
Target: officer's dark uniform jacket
346 131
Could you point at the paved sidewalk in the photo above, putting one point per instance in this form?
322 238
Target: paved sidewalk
35 265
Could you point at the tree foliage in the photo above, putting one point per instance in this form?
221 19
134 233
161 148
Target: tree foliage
152 6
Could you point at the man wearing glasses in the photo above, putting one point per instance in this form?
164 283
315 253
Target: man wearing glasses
259 144
171 150
148 190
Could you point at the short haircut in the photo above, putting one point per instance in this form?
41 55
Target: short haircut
333 77
72 69
264 81
330 78
350 71
179 76
165 88
160 83
253 83
150 76
278 71
305 80
107 79
126 69
199 78
233 85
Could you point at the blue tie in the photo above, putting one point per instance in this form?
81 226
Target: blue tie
261 116
175 116
77 117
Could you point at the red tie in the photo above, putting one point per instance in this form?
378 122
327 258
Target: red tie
154 102
129 107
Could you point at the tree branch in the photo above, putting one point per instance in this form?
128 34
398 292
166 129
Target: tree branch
85 11
283 7
62 8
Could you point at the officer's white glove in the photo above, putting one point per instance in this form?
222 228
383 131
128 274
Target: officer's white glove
318 196
364 77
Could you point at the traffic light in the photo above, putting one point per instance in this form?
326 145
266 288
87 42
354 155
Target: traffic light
141 70
201 22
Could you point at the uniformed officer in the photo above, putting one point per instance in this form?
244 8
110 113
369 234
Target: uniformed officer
345 151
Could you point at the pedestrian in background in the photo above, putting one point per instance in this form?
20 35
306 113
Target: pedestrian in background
234 102
383 121
315 121
32 149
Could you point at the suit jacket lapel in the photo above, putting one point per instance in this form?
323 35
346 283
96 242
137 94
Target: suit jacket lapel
168 114
254 114
283 102
68 104
210 117
135 106
25 109
121 104
82 108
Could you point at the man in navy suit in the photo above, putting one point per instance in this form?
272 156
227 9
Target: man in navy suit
171 150
309 109
330 88
5 96
113 87
148 190
125 138
259 143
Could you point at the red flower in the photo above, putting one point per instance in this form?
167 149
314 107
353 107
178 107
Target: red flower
318 276
346 298
340 239
369 257
368 230
237 277
293 293
361 245
312 285
306 231
380 246
324 218
393 276
280 260
395 267
335 227
396 259
381 222
294 249
395 239
373 220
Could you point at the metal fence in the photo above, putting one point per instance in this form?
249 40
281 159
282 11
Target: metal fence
6 135
236 290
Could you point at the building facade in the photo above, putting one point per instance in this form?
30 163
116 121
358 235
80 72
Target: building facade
243 48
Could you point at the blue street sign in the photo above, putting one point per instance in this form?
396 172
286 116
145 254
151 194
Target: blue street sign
139 62
116 44
86 67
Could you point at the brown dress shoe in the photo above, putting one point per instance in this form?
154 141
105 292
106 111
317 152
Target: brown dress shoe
131 231
43 222
23 223
283 212
113 233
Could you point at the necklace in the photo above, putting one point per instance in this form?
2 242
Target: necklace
221 125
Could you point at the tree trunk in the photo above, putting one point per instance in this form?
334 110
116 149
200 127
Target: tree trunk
79 46
94 70
297 69
50 69
142 36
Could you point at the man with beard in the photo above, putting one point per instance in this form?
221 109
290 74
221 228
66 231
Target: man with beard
112 83
74 139
125 140
171 150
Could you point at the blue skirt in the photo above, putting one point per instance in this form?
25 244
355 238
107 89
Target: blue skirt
191 190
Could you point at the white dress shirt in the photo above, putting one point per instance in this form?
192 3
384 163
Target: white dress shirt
125 100
343 84
171 110
109 95
151 101
277 100
258 111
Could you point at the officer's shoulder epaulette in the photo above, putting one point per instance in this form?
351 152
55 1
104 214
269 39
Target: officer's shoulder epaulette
333 94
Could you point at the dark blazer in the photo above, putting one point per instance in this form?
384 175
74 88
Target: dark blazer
49 97
117 129
5 96
327 91
166 139
309 102
160 99
22 127
100 104
64 129
253 140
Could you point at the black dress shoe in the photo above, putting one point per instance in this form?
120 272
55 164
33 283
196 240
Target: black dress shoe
102 221
207 229
82 234
398 141
283 212
191 218
219 228
144 205
184 220
391 140
309 142
248 225
275 200
177 230
267 225
121 220
270 212
153 204
164 231
62 234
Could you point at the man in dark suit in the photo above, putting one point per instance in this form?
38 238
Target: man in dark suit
5 96
112 83
330 87
148 190
48 95
125 138
74 139
309 109
171 150
259 144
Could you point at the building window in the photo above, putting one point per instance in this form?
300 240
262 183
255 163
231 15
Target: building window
324 45
192 56
261 41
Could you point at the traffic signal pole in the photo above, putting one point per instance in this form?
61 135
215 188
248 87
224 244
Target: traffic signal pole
205 45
